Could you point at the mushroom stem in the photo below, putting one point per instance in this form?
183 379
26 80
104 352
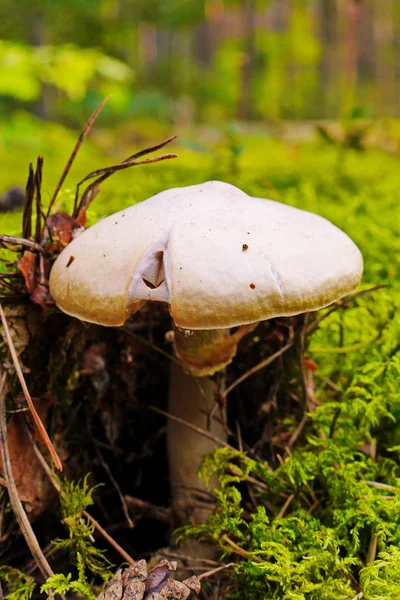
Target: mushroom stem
205 352
192 399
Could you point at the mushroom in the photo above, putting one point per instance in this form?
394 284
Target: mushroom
220 259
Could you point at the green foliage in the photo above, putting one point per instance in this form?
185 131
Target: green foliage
381 579
26 69
19 585
311 533
61 584
321 511
320 516
75 497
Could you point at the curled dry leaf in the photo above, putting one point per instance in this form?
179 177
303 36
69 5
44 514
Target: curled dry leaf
62 229
28 267
35 271
136 583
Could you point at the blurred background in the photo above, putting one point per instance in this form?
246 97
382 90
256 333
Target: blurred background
185 61
296 100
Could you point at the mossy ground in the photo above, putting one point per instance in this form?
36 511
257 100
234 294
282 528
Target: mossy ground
325 522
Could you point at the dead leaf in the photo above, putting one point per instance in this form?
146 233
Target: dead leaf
28 269
63 229
33 486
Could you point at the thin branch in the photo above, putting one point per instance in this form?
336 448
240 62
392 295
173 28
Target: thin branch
93 521
258 367
38 188
185 557
17 241
125 163
381 486
16 503
328 382
295 435
284 508
198 430
27 395
71 159
109 539
248 478
216 440
150 345
122 499
131 161
148 510
237 549
372 549
27 212
104 174
214 571
151 149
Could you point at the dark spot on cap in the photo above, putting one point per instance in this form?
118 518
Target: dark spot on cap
244 247
70 261
252 285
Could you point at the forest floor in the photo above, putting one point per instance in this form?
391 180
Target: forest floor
309 499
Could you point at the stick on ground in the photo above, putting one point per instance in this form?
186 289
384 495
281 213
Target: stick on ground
16 503
27 395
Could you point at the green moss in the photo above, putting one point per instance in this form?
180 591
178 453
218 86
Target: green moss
317 519
75 497
19 586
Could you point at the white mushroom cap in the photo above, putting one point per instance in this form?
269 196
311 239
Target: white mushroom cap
217 256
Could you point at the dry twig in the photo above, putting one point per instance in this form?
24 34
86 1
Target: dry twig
27 395
71 159
122 498
93 521
198 430
16 503
214 571
103 174
258 367
17 241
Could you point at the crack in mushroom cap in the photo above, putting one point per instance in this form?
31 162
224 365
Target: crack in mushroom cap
218 257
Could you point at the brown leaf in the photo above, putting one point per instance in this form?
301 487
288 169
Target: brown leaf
33 486
42 297
28 269
63 229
